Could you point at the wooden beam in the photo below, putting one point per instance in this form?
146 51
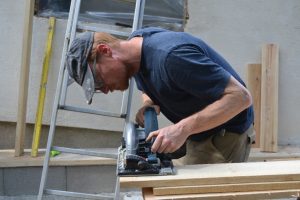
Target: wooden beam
271 194
225 173
24 78
254 86
225 188
269 98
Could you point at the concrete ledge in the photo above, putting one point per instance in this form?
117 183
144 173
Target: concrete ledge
284 153
7 159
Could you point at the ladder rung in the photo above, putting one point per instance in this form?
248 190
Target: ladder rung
77 194
86 152
99 29
90 111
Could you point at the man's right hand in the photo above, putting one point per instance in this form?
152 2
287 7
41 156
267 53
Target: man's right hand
139 117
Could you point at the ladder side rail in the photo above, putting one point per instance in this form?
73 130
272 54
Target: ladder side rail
127 95
55 105
72 36
137 23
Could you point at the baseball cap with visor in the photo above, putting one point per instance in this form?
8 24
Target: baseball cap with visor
78 66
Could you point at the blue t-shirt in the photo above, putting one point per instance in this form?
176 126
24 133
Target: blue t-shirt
183 75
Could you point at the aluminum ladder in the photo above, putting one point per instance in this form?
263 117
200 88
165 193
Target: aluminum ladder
60 96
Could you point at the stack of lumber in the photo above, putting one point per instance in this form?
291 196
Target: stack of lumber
257 180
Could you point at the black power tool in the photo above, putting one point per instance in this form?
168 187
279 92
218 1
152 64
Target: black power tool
135 156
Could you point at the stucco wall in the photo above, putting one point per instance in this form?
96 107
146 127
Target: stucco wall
236 29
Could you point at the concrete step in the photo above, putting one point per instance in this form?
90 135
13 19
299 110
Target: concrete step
71 172
131 195
78 173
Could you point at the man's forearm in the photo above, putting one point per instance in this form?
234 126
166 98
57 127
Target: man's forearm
236 98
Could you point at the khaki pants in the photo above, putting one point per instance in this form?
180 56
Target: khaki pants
223 147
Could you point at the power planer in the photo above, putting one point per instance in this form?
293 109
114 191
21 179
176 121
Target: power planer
135 156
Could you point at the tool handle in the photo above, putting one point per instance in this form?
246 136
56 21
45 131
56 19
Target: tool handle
150 122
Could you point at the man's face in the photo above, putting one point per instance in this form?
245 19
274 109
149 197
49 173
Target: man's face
113 74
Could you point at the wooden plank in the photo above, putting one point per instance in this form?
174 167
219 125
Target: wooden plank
271 194
224 173
269 98
148 194
254 86
24 78
225 188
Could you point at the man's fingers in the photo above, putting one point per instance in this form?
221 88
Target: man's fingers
140 121
151 135
162 148
156 144
157 109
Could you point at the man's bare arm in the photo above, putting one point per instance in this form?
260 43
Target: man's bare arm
235 99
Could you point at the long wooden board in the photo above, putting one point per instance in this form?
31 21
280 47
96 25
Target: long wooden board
225 173
225 188
254 86
269 98
271 194
24 78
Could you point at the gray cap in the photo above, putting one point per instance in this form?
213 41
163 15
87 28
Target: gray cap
77 64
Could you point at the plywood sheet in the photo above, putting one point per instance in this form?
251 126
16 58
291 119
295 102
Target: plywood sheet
225 188
225 173
271 194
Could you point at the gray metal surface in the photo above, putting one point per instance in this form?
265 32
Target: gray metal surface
60 97
55 104
131 139
169 14
77 194
91 111
86 152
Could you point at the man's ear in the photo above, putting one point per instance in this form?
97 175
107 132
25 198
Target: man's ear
104 49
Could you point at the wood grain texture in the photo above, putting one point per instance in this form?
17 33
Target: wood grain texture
225 173
269 98
24 78
254 86
271 194
148 194
225 188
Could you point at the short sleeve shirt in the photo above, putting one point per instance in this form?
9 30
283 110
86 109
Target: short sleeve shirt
183 75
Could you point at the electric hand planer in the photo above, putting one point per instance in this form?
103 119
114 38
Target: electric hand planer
135 156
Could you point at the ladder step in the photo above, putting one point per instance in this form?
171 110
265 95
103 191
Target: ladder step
90 111
77 194
98 153
96 28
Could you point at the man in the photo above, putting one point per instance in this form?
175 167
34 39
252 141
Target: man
179 75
